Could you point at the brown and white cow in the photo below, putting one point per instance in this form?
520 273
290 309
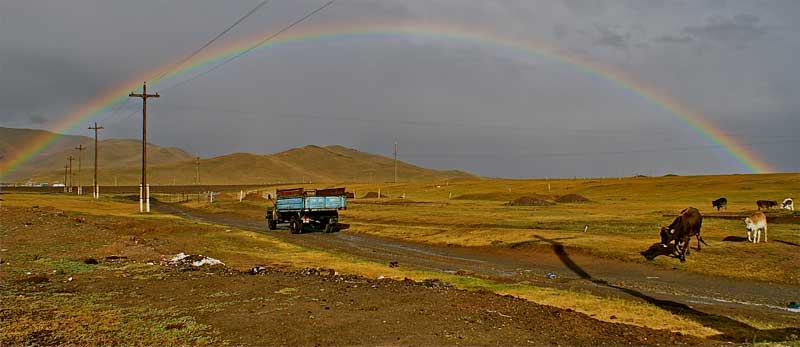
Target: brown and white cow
755 224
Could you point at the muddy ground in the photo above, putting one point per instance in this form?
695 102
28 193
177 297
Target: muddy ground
52 294
710 301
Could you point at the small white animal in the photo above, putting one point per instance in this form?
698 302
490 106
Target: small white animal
788 204
755 223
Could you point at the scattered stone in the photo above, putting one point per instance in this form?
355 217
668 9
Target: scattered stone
80 220
551 275
116 257
436 284
394 264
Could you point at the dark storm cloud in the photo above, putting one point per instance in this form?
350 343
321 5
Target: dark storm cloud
737 30
674 39
451 104
611 37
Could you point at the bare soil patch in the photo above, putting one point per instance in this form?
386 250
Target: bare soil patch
572 198
373 195
529 201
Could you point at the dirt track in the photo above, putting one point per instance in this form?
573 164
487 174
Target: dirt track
709 301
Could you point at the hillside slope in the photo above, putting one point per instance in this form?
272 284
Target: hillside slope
48 165
120 163
309 163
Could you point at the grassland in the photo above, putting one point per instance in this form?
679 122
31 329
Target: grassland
134 234
622 219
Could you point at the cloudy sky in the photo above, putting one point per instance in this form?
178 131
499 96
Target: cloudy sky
450 104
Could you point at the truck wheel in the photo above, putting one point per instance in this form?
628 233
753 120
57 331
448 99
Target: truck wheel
329 228
295 226
272 224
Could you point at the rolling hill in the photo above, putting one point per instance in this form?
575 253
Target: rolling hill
120 163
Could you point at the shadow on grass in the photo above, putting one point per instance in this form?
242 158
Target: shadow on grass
732 330
734 239
787 243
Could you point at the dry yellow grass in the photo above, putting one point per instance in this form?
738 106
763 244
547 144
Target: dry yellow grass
242 249
623 218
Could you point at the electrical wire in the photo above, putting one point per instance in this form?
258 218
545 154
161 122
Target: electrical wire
210 42
269 38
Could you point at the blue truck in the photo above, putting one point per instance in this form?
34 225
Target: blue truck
307 209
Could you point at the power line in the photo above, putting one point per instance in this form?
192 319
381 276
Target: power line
443 123
269 38
596 153
190 56
229 28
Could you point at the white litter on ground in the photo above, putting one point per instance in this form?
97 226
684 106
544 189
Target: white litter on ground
180 256
207 261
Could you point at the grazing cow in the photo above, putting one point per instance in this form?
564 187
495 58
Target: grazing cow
755 223
766 204
720 203
685 226
788 204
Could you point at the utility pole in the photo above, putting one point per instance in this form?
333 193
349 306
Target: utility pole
395 162
70 173
96 191
144 195
197 170
80 149
66 181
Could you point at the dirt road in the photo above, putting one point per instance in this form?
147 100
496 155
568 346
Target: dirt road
706 300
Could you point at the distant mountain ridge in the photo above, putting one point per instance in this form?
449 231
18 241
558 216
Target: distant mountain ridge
120 161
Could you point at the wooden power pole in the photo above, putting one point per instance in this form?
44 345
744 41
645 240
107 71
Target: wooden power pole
80 149
395 162
144 196
95 185
197 169
70 173
66 178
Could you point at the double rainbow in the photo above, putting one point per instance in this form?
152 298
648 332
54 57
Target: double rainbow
744 156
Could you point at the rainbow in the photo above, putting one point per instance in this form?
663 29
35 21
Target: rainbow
744 156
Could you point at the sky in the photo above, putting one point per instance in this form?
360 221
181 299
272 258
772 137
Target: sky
449 104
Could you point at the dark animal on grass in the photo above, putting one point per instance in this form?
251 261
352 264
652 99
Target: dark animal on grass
685 226
766 204
720 203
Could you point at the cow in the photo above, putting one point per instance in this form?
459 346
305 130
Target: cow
685 226
720 203
788 204
766 204
755 224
